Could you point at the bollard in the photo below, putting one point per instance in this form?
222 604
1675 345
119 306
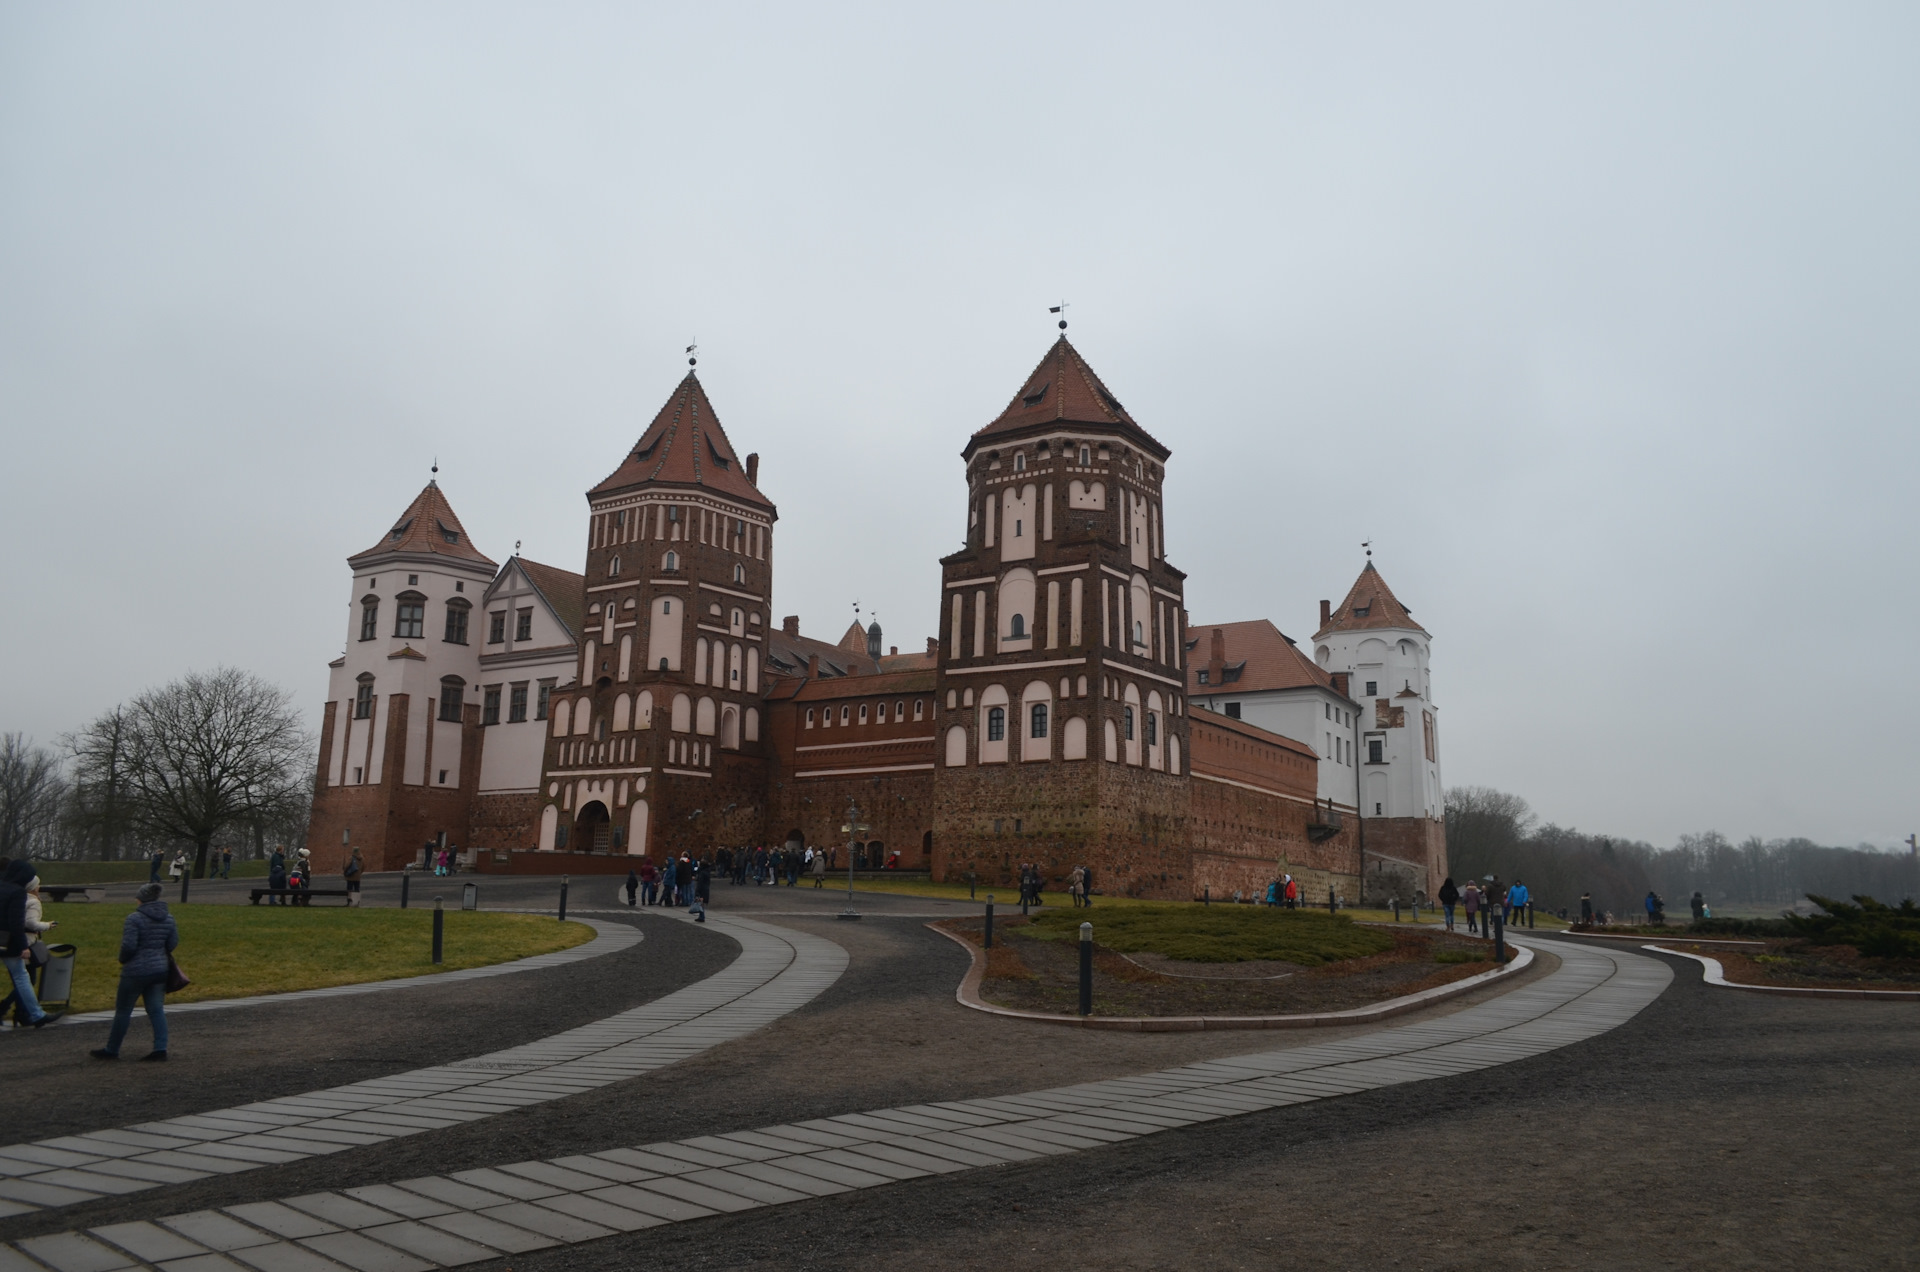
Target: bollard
439 928
1086 969
1206 895
186 877
563 898
1330 905
1499 936
1529 914
406 880
989 944
1396 909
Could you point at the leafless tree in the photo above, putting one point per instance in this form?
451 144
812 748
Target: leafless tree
33 794
103 796
210 750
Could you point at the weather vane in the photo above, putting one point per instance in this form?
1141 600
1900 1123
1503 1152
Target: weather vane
1060 309
436 465
1368 545
692 349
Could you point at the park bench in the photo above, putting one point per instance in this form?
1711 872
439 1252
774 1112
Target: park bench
296 893
60 892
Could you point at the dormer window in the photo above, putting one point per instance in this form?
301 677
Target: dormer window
451 536
719 459
644 451
399 532
1038 395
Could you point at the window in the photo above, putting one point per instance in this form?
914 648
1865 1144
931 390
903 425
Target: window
1153 728
412 618
1086 457
809 717
1127 712
666 607
1037 724
363 699
1203 675
457 624
996 724
1017 527
357 771
918 704
496 627
844 714
880 713
1139 632
739 574
1019 462
672 562
613 568
544 702
517 703
369 620
1373 688
1328 708
1017 626
523 625
413 580
452 691
560 835
490 708
863 713
1376 748
899 712
1233 711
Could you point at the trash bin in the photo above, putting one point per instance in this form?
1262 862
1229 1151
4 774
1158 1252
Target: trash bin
470 896
56 978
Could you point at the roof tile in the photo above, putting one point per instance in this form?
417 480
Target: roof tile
686 446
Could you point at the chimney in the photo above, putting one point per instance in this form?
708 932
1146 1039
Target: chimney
1326 612
933 646
1217 657
753 469
790 625
813 666
893 651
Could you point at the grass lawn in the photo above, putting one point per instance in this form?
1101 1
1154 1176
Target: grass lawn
1219 933
235 951
1005 897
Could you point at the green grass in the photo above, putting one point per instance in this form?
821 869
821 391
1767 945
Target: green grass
64 872
235 951
1005 896
1219 933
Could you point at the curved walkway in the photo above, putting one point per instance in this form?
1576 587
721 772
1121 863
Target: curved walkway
612 938
778 970
476 1215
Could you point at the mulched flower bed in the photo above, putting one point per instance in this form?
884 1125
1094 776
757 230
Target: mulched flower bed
1044 976
1793 963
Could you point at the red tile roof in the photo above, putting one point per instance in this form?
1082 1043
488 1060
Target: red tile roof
863 686
1203 716
565 593
788 655
1370 604
1063 389
1254 655
428 527
686 446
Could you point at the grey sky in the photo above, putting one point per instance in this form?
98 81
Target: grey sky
1600 321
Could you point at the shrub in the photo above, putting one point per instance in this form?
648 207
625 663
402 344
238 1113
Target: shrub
1874 929
1219 934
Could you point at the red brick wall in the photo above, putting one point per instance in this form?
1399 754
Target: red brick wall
1244 839
389 820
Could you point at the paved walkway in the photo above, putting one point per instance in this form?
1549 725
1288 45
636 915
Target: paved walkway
777 971
612 938
476 1215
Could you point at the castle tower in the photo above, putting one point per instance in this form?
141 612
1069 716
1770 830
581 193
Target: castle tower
1062 725
399 739
1372 637
656 745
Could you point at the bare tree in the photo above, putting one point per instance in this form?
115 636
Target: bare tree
103 794
33 795
209 750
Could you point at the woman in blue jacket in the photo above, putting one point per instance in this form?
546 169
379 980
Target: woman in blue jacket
147 940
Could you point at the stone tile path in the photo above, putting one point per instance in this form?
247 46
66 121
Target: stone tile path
475 1215
611 939
777 971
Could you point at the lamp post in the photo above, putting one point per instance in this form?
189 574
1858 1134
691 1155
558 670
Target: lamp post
854 826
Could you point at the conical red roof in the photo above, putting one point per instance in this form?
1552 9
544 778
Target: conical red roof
1370 604
428 527
686 446
1064 389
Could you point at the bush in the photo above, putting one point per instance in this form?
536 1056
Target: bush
1874 929
1219 934
1740 927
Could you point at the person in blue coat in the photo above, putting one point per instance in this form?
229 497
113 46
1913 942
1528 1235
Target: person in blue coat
147 941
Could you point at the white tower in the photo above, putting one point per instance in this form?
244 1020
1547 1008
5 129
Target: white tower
1372 638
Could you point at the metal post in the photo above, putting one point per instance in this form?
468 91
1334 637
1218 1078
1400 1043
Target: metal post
1331 907
1086 969
989 944
1529 914
1499 936
1206 895
1396 908
406 881
563 898
185 877
439 928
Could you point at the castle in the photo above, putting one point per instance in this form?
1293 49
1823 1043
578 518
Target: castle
1067 712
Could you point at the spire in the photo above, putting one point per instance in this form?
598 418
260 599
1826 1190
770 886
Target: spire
428 527
1064 389
685 446
1370 604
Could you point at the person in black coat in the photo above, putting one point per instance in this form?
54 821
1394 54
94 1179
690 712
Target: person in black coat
633 886
1449 897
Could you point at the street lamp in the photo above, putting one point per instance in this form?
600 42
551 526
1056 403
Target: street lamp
854 826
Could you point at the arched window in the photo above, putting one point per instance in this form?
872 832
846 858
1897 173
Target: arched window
410 620
809 717
863 713
453 692
613 568
670 562
1139 632
1017 626
370 618
457 612
1037 719
739 574
996 724
363 697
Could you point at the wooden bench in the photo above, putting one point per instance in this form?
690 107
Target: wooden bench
297 895
60 892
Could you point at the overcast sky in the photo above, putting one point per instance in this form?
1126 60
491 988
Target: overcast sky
1600 320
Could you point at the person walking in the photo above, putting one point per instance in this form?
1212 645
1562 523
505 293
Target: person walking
276 876
1517 898
174 867
819 867
1656 909
15 884
147 941
1470 899
1698 905
1586 908
226 862
683 880
633 887
1076 887
352 872
1449 897
649 882
153 865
